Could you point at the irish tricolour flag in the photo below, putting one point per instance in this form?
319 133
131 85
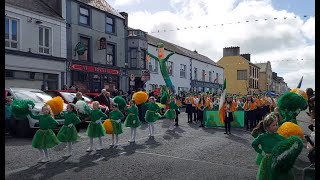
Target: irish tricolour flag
222 99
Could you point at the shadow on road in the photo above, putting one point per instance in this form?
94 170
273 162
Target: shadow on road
171 134
152 143
132 147
236 138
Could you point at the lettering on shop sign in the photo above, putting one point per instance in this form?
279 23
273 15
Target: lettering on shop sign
101 70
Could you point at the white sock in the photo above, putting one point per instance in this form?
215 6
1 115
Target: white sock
69 147
41 154
131 134
150 129
46 154
117 139
112 139
134 134
100 142
91 143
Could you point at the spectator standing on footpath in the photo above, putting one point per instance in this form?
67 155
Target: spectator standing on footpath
8 113
104 98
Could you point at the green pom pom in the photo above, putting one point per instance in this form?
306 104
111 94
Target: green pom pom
285 153
120 101
289 103
20 108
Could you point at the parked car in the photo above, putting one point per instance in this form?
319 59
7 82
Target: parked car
93 96
25 128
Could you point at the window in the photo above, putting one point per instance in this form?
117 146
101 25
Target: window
133 33
195 73
86 43
84 16
9 73
133 57
143 59
110 25
203 75
44 40
241 74
183 71
79 76
110 54
217 78
170 67
11 33
210 78
153 65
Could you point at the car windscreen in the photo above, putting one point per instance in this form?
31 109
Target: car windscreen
35 96
68 96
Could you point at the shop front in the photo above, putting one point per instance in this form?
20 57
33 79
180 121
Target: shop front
89 78
202 86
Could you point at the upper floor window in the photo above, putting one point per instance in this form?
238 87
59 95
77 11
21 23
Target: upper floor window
44 40
11 33
143 59
110 25
210 78
110 54
153 65
241 74
170 67
86 55
183 71
195 73
84 16
217 78
203 75
133 57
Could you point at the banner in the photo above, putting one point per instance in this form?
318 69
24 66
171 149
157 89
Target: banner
211 119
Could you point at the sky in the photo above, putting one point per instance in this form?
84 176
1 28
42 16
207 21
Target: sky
287 42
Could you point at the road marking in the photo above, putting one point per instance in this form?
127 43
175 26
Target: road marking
98 159
194 160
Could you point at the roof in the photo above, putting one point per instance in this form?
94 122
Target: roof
240 57
263 66
35 6
103 6
180 50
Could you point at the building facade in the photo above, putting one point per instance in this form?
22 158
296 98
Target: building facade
265 79
35 45
241 75
96 43
181 68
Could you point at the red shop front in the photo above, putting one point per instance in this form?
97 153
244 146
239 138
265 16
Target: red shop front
89 78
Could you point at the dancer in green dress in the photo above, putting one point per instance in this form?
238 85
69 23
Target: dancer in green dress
68 133
115 117
279 153
132 121
171 112
95 128
44 137
152 114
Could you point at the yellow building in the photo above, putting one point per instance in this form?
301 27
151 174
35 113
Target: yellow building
241 75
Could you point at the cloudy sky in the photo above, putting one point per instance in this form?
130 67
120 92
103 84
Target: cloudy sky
287 42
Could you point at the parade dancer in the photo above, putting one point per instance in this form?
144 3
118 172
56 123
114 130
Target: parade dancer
230 107
249 106
68 132
95 128
115 117
44 138
188 109
132 121
171 112
152 114
201 107
278 153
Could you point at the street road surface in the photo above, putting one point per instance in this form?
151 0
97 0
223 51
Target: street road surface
189 152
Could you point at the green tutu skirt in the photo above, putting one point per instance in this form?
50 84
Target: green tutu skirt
259 158
95 130
265 171
170 114
67 134
152 116
44 139
116 127
129 121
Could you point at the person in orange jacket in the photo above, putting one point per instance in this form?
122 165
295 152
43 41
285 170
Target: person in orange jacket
250 107
229 107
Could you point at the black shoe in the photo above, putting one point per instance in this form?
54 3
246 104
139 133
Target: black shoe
229 132
201 125
176 125
225 133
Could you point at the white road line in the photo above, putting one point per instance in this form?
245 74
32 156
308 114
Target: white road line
161 155
98 159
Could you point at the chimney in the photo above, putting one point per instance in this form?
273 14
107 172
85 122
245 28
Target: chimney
55 5
231 51
246 56
195 51
125 15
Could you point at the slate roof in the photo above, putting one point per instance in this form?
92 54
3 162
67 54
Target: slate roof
103 6
35 6
263 66
180 50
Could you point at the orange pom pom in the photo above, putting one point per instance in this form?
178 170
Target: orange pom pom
56 105
288 129
108 126
140 97
300 92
